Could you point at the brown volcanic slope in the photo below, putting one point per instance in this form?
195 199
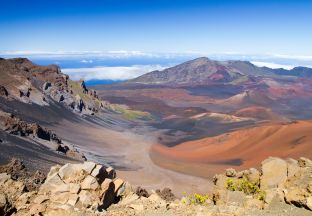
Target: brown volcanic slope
260 113
240 149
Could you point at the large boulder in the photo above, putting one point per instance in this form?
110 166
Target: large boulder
82 188
274 173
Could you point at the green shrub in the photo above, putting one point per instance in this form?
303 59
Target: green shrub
261 195
196 199
230 184
246 186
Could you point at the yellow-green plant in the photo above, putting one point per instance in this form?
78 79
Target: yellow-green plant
130 114
196 199
230 184
261 195
246 186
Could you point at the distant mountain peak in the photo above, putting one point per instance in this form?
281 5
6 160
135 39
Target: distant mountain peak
202 71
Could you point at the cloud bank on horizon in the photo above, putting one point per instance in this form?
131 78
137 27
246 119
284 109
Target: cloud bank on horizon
110 73
96 65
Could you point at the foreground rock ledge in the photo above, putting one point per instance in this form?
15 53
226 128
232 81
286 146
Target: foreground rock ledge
280 187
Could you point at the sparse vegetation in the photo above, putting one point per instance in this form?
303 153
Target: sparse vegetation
230 185
130 114
196 199
246 186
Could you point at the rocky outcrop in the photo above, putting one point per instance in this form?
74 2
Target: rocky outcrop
274 173
3 91
30 83
25 92
93 189
79 189
17 171
283 180
15 126
79 104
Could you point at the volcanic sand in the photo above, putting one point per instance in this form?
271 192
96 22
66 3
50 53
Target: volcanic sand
129 153
240 149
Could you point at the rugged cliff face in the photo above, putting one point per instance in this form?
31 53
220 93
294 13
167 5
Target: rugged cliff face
24 81
281 187
33 132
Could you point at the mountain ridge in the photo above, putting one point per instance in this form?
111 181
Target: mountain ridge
204 71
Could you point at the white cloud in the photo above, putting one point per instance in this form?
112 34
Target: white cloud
294 57
273 60
86 61
110 73
272 65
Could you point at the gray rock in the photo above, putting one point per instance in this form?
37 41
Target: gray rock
292 167
274 173
85 197
97 170
253 175
118 184
52 183
61 188
88 166
72 173
230 172
74 188
53 170
72 199
40 199
89 183
219 180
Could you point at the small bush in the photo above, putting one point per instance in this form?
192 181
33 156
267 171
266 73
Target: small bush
246 186
262 195
196 199
230 184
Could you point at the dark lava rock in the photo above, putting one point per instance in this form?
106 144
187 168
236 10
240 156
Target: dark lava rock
141 192
3 91
166 194
46 86
25 92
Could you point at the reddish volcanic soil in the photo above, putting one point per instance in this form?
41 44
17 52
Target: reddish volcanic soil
240 149
258 112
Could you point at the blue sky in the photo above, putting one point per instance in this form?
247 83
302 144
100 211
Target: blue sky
211 26
119 39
